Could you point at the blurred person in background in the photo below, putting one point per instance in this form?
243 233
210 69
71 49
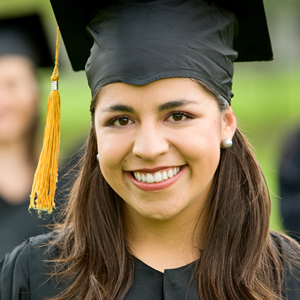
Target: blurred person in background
289 182
23 48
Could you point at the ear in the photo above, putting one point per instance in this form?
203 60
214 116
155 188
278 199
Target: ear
228 124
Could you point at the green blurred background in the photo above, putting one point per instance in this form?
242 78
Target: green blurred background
266 99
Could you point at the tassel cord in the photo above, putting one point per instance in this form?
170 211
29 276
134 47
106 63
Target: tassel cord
45 178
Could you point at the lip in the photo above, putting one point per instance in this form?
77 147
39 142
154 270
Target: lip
145 170
156 186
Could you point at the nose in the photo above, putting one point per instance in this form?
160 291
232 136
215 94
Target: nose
150 142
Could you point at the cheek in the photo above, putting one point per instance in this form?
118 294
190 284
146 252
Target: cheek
29 98
27 104
111 154
201 148
21 115
202 154
203 137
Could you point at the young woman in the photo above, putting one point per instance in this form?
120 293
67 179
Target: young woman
170 202
19 114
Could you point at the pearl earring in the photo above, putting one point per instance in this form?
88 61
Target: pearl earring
97 157
227 143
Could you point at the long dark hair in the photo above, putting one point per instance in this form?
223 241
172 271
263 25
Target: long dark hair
239 259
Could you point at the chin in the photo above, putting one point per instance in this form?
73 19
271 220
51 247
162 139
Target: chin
160 215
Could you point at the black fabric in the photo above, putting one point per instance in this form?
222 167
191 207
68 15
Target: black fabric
150 284
25 36
17 225
291 285
289 182
138 42
23 276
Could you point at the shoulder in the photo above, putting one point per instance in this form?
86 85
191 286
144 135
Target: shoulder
288 247
289 251
33 248
25 267
37 247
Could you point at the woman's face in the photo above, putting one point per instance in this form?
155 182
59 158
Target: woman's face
18 98
159 145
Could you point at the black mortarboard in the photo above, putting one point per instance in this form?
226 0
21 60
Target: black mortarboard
140 41
25 36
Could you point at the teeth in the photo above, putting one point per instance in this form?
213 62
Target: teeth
170 174
138 176
150 178
165 176
157 177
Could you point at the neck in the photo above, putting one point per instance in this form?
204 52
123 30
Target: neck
166 244
16 171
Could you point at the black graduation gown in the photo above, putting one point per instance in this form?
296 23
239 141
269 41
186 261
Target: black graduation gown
289 183
23 276
17 225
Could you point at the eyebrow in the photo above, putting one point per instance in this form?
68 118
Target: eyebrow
166 106
175 104
119 107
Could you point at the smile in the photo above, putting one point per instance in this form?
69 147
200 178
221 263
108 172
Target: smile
157 176
158 180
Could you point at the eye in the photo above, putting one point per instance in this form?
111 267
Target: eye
178 116
119 121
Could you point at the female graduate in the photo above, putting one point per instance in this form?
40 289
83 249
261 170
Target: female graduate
170 202
23 48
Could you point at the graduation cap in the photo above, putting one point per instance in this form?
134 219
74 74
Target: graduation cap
188 20
252 44
25 35
140 41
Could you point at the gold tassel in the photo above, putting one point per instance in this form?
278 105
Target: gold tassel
45 178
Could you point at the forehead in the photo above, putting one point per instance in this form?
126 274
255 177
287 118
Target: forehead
15 64
162 90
